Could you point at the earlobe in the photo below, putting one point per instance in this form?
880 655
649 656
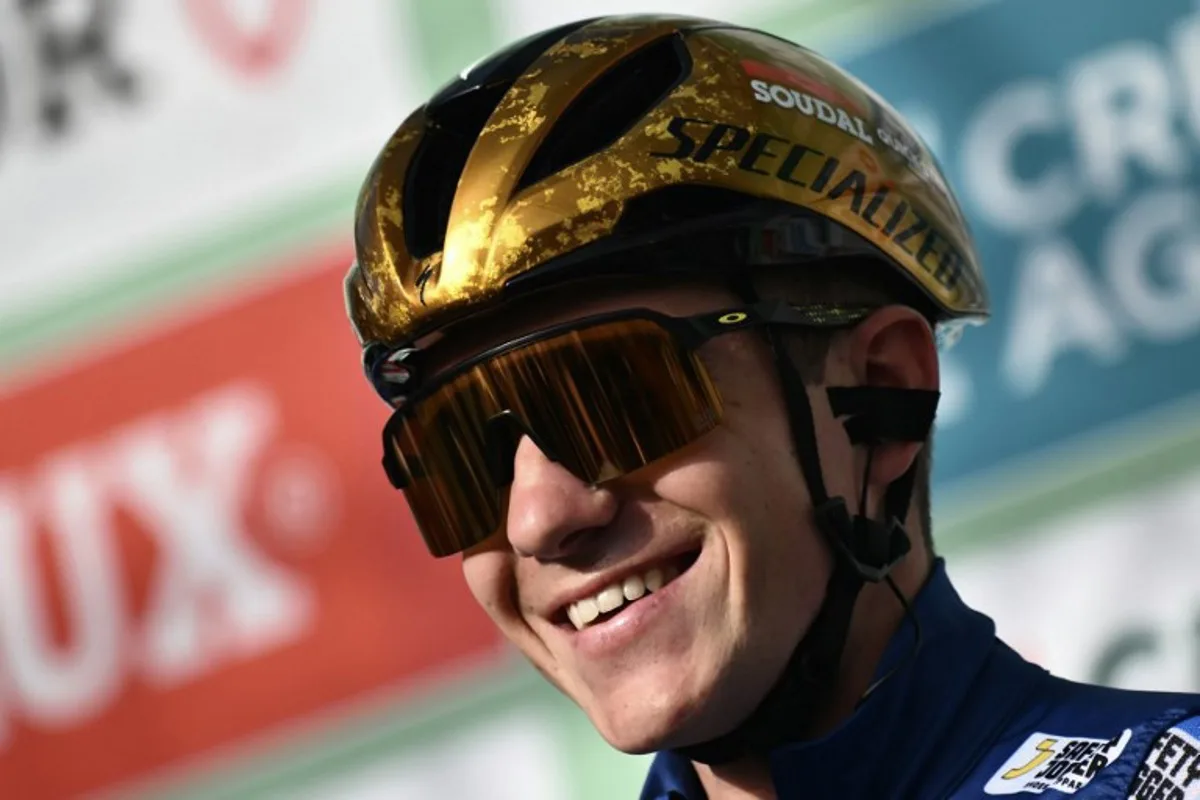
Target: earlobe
892 460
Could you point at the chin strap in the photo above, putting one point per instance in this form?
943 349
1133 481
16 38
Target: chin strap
865 550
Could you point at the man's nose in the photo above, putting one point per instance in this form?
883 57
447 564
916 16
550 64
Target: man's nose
551 511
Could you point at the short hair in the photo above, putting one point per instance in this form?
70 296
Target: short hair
851 281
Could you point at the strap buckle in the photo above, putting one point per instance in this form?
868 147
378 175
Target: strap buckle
871 548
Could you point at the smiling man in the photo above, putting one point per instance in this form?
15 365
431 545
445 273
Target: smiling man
656 302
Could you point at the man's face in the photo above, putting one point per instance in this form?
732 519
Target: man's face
724 524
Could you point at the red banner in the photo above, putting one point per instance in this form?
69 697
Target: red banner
197 544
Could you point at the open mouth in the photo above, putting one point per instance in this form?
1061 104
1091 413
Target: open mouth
615 598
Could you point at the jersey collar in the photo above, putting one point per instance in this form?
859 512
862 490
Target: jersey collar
894 737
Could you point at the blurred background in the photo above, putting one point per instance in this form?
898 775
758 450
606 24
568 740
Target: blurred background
207 588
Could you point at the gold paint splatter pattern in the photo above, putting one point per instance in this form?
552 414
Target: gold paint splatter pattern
753 115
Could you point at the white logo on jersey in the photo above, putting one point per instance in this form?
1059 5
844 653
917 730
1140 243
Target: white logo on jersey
1048 761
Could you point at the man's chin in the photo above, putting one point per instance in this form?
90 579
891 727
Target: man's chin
655 738
635 741
649 722
647 725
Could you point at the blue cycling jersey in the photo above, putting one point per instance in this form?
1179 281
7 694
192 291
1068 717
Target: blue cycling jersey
969 718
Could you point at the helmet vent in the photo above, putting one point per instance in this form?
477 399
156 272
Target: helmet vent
438 163
610 106
456 115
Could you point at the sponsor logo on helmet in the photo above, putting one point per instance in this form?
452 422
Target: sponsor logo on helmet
787 97
812 97
826 178
1049 762
771 73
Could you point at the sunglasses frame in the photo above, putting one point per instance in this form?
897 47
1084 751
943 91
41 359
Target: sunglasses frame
690 332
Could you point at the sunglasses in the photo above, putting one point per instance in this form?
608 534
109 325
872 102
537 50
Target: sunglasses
602 396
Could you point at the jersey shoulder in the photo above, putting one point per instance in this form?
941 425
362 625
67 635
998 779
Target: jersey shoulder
1094 743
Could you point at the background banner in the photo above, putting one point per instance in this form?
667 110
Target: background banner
208 588
1067 460
195 548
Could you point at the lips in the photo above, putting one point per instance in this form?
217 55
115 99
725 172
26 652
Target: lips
611 598
622 591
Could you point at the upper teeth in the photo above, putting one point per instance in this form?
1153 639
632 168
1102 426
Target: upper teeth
610 598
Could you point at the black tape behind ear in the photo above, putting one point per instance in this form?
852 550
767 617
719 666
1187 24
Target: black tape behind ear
875 415
878 414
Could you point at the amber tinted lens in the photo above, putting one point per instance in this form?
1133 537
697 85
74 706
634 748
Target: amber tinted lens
441 452
602 401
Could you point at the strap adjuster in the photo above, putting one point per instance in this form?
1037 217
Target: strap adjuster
872 548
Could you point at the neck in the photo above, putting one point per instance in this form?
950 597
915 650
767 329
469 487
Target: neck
877 617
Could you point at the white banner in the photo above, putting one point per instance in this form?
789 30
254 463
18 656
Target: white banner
133 125
1107 595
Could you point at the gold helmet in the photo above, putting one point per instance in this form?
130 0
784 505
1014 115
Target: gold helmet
572 151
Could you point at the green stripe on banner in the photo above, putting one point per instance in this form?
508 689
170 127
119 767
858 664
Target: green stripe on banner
389 731
444 45
841 27
1126 458
359 737
231 256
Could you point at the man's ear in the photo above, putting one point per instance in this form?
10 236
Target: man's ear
895 347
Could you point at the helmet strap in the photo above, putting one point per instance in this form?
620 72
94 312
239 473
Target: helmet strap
865 550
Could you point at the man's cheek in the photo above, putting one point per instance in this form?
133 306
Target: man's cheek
704 478
490 580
